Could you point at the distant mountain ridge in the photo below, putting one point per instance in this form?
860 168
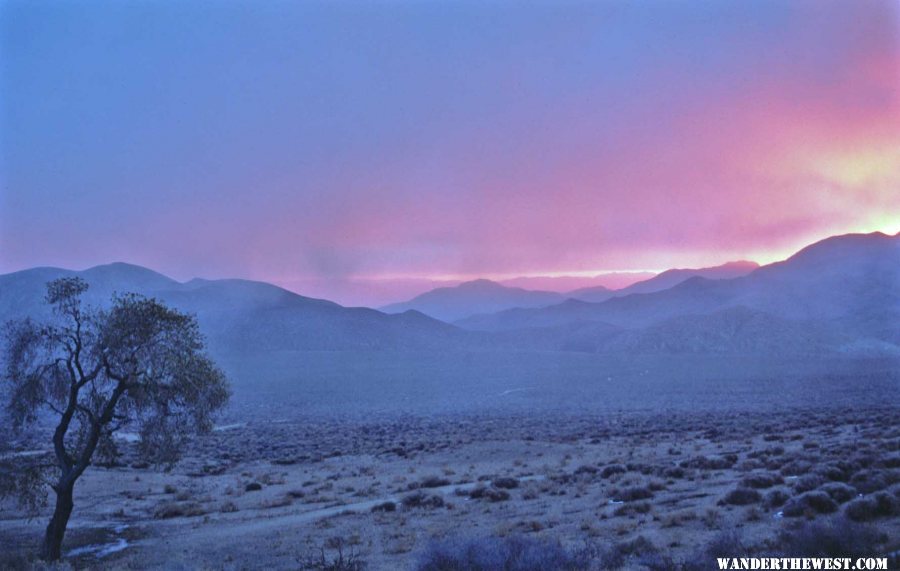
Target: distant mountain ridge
665 280
845 287
477 296
240 315
453 303
841 294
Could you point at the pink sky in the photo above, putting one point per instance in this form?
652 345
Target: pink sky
322 146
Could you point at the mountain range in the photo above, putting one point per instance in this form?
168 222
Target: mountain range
485 296
477 296
841 294
240 316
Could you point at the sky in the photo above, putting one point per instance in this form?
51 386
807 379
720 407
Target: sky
324 145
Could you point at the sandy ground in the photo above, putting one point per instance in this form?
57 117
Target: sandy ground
272 494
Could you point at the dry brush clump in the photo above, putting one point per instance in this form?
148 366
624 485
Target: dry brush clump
489 493
839 491
762 480
878 505
423 500
168 510
836 537
810 504
430 482
711 463
632 493
514 553
742 497
335 555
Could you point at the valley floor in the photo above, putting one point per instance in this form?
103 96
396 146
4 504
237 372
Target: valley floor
275 494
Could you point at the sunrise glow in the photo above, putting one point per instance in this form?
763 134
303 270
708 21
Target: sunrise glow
446 142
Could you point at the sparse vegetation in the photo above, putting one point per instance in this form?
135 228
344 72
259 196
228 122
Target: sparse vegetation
514 553
742 497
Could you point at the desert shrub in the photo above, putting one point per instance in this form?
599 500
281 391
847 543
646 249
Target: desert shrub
168 510
808 482
632 493
612 470
815 502
776 497
434 482
725 544
674 472
586 469
833 472
714 463
615 556
489 493
385 507
228 507
340 559
645 469
892 461
742 497
877 505
423 500
796 468
505 483
632 509
761 480
498 554
839 491
835 538
749 465
170 489
868 481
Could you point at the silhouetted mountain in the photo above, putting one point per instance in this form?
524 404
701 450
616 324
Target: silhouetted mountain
665 280
478 296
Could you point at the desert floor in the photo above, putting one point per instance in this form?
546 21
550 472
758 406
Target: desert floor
275 493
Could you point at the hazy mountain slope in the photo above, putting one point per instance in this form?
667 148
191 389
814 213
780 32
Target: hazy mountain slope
595 294
731 330
241 315
855 274
666 280
22 293
850 284
478 296
840 294
696 295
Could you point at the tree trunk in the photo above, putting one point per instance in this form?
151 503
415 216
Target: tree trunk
56 529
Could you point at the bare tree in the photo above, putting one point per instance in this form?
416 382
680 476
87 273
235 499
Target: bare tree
137 364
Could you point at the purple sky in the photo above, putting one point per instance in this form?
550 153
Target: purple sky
320 145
